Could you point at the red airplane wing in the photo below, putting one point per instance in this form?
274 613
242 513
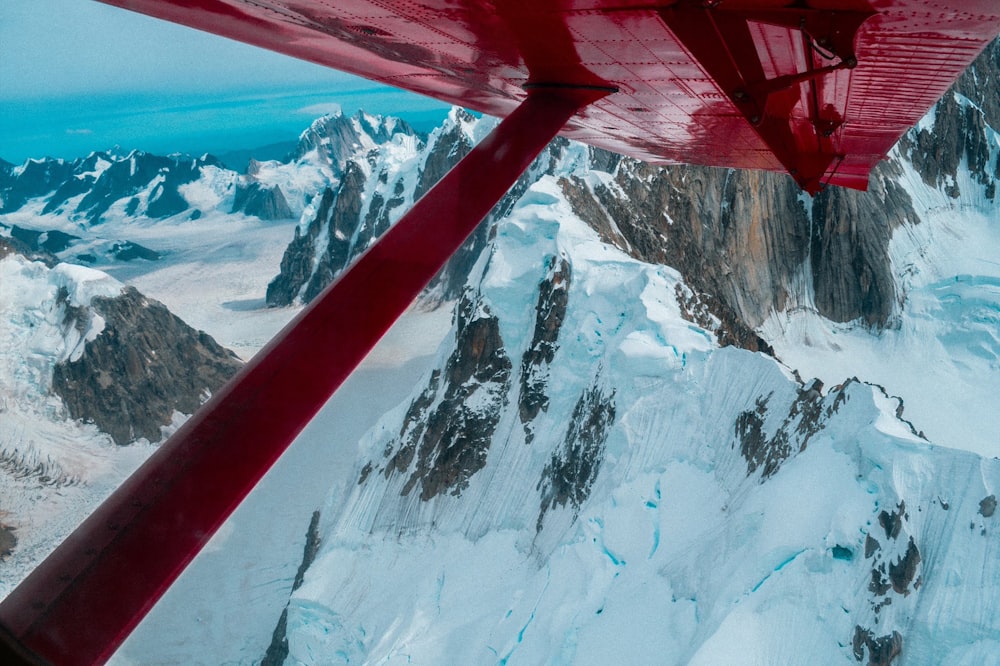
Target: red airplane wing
820 89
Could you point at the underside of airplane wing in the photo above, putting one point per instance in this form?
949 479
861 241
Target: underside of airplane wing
819 89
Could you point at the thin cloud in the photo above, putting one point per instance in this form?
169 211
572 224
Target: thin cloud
80 132
322 109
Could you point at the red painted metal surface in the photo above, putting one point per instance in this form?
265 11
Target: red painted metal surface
83 600
680 65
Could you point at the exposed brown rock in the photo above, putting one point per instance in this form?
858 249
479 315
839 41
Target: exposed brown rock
805 418
573 468
892 522
442 448
881 650
903 572
553 297
145 365
987 506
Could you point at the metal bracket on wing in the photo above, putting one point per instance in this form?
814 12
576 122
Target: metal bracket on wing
718 35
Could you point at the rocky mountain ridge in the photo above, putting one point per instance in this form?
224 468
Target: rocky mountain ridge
54 204
112 356
93 376
748 243
578 433
374 190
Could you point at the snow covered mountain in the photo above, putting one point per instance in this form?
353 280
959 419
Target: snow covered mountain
58 205
374 190
89 364
666 425
588 474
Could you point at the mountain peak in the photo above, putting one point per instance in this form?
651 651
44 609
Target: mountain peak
332 139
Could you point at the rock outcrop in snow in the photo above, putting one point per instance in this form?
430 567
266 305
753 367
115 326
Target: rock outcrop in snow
112 357
447 432
144 366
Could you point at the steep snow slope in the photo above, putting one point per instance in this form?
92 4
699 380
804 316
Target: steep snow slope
677 502
942 351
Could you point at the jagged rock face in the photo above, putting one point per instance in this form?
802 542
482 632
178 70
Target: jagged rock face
262 201
805 418
370 196
451 146
145 365
553 297
851 271
740 238
749 243
277 651
448 429
894 568
957 136
573 468
336 138
335 220
979 83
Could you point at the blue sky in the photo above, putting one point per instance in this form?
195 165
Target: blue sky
77 76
